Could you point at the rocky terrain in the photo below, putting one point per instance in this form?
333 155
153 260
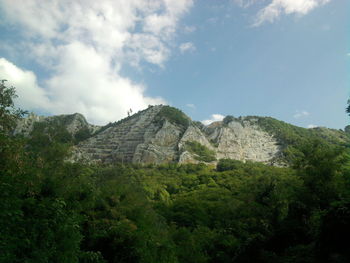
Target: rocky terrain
162 134
73 123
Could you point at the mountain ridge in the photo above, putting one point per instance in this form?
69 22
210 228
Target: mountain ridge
163 134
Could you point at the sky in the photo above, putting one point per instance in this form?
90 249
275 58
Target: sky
288 59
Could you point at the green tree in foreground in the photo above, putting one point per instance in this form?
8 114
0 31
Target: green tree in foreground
37 224
8 112
55 211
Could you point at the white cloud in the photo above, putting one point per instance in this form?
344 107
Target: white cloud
277 8
84 45
30 95
311 126
301 114
87 88
189 29
190 105
214 118
187 47
245 3
147 47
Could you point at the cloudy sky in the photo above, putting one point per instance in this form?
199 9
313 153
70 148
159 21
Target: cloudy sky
288 59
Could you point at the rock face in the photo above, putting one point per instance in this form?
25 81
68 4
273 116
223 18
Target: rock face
162 134
139 139
25 126
144 138
243 141
72 122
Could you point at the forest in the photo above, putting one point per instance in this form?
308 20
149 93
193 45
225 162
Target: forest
52 210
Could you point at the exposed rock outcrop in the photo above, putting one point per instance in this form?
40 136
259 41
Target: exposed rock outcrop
162 134
244 141
73 123
143 138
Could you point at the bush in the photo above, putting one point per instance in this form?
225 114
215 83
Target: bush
174 115
228 119
82 134
202 152
228 165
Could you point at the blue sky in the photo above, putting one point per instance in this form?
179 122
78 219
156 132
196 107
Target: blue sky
281 58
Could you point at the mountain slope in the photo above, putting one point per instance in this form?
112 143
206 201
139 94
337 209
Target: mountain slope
163 134
74 125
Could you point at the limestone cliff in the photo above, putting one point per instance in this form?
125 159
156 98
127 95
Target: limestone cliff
153 137
162 134
73 123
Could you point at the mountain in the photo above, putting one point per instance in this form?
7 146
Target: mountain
74 125
163 134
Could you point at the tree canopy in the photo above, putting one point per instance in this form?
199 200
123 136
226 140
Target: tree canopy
55 211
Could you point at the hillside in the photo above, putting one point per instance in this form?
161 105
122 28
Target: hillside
112 209
163 134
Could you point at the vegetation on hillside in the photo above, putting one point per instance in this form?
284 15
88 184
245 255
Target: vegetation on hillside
54 211
56 130
9 114
173 115
228 119
201 152
293 138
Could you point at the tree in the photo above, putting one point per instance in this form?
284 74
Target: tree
37 224
8 112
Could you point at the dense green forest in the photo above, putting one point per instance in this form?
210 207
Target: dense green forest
55 211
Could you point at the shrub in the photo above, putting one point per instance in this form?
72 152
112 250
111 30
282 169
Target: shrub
228 119
174 115
202 152
227 165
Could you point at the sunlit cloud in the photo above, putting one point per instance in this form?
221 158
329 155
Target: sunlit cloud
189 29
301 114
213 118
187 47
190 105
276 8
84 45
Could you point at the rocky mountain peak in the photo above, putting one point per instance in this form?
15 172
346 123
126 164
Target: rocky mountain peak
165 134
162 134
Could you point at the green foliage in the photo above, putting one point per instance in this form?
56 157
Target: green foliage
199 125
54 211
82 134
228 119
173 115
249 212
293 138
284 132
227 165
202 153
55 130
37 224
9 114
